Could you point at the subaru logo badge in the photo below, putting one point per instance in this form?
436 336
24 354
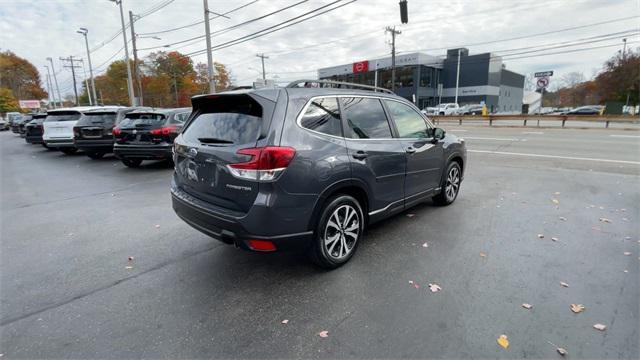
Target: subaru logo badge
193 152
135 132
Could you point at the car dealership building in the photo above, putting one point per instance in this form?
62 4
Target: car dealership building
430 80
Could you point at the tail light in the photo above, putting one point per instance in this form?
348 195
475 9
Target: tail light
116 131
266 163
171 129
76 131
262 245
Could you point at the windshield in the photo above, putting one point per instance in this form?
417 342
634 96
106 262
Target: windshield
143 120
63 116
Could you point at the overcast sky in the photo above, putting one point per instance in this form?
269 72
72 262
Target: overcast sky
47 28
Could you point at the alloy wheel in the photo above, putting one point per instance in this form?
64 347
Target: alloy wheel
453 183
342 231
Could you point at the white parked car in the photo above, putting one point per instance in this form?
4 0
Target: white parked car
58 128
447 109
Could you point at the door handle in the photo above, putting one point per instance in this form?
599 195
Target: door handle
360 155
410 150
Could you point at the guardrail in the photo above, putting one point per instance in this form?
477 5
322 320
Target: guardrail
626 119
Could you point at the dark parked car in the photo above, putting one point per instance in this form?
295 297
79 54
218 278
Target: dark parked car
471 109
93 132
33 129
308 168
17 127
148 135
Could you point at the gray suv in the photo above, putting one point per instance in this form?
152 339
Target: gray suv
308 167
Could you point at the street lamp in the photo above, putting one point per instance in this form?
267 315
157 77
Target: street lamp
55 78
84 32
126 54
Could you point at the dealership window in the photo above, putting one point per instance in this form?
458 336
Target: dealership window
365 118
426 74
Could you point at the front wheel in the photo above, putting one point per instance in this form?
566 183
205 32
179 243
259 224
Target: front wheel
132 163
338 232
450 185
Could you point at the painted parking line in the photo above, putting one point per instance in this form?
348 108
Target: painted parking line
492 138
626 136
533 132
555 157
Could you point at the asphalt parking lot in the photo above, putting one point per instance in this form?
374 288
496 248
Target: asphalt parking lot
69 224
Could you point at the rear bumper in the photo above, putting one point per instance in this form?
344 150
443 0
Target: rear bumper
59 143
33 139
143 152
97 145
229 229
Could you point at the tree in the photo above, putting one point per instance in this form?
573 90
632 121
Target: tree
113 84
7 101
221 75
21 77
572 79
620 78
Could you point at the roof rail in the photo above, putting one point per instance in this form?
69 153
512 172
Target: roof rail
336 84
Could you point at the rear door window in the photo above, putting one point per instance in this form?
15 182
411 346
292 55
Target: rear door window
63 116
365 118
323 115
143 120
408 122
226 120
180 118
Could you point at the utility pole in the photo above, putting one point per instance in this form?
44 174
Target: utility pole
261 56
393 32
126 54
136 71
86 83
84 32
73 66
207 33
624 49
457 76
52 94
55 78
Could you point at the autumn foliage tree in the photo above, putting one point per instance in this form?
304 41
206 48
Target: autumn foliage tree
20 77
7 101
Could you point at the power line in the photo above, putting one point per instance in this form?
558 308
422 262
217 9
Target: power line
197 22
231 27
262 32
155 9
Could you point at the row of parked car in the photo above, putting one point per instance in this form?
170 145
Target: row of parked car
133 134
301 167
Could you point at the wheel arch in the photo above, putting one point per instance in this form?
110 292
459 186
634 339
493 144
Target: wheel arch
352 187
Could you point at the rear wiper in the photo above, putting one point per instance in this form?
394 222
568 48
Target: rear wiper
209 140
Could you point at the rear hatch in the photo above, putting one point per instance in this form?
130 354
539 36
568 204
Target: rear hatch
34 127
96 125
59 124
142 128
221 126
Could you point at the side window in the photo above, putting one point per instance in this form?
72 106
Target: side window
409 123
323 115
180 118
365 119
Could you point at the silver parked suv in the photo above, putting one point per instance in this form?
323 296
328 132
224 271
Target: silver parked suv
308 166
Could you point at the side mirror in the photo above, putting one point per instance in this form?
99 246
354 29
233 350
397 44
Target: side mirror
438 134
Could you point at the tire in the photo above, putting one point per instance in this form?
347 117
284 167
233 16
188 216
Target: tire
132 163
442 113
69 151
95 155
450 186
333 254
45 146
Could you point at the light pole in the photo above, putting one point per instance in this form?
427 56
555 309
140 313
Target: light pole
457 77
84 32
55 78
126 54
52 95
86 83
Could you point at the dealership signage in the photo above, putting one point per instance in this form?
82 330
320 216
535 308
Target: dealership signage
360 66
543 74
29 104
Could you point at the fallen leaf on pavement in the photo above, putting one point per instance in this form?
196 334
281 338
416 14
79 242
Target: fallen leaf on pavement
626 271
527 306
596 228
323 334
605 220
130 258
128 267
411 215
411 282
540 236
562 351
555 201
564 284
627 253
503 341
425 245
577 308
285 321
434 287
554 238
483 255
562 218
600 327
157 226
556 193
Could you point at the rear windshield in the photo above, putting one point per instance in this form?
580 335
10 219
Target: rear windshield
39 116
226 120
93 118
143 120
63 116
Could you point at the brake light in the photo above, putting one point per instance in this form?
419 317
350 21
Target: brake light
171 129
116 131
266 163
261 245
